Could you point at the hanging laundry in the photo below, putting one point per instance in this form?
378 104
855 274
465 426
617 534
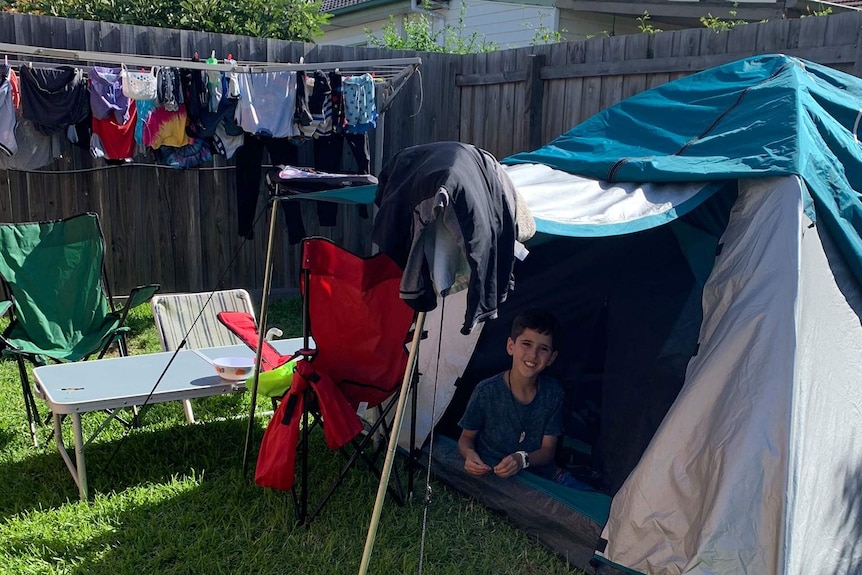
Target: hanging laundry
169 91
205 125
327 101
320 104
114 140
267 104
226 144
144 109
336 83
191 155
302 115
249 159
106 94
360 108
166 128
53 98
8 143
232 80
35 149
15 87
195 91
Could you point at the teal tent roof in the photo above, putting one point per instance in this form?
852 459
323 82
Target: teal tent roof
763 116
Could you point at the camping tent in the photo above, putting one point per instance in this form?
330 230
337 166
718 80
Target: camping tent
700 241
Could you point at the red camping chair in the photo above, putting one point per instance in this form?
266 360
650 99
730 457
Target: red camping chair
358 322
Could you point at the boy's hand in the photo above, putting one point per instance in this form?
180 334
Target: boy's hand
508 466
475 466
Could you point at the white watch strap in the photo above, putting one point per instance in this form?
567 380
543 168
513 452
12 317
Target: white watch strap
525 462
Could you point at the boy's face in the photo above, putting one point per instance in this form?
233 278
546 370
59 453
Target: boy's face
531 353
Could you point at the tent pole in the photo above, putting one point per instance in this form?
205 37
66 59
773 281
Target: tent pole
261 329
393 443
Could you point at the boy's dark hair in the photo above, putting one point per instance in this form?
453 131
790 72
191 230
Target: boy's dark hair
537 320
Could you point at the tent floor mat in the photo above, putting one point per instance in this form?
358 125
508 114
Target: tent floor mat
557 517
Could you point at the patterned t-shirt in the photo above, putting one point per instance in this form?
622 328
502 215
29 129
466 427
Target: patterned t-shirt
500 419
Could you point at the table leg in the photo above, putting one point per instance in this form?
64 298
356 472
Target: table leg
79 456
77 469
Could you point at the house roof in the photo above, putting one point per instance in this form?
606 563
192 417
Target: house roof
330 5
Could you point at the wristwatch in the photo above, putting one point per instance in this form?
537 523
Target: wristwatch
525 459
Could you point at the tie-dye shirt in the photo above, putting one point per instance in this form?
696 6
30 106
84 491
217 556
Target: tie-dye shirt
164 128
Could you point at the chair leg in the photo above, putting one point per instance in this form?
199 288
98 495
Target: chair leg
29 402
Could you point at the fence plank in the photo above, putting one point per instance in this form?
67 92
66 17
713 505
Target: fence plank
555 96
591 95
573 91
636 48
661 48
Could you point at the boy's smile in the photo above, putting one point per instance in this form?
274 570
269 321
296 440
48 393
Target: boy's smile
531 353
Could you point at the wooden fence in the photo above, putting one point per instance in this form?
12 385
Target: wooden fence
177 227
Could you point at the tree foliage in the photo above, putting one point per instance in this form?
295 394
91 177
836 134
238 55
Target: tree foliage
418 34
298 20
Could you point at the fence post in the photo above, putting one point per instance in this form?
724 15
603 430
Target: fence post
535 96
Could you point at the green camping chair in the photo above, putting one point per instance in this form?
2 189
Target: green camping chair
62 309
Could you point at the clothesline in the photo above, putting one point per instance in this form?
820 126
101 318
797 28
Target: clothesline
381 68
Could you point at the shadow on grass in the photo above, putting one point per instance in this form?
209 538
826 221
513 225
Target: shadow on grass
6 438
143 456
174 501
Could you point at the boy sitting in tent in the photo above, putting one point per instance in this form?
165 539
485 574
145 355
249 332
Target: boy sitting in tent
515 417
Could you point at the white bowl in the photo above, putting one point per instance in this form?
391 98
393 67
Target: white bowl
234 368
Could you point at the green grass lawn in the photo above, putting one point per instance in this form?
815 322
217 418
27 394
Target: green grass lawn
170 498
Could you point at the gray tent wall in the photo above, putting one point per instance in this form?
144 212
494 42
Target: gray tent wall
728 387
756 466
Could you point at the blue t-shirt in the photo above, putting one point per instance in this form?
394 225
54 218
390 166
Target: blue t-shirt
500 419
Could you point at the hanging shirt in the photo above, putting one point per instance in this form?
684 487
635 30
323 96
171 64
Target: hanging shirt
360 109
114 140
54 98
35 149
144 109
106 95
166 128
267 104
455 193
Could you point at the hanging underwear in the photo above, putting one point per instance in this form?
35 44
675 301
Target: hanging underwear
54 98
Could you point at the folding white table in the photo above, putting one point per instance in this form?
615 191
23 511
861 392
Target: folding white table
76 388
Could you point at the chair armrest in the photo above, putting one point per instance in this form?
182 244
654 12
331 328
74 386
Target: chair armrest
142 294
137 296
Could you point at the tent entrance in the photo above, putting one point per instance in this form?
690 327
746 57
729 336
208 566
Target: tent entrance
630 306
